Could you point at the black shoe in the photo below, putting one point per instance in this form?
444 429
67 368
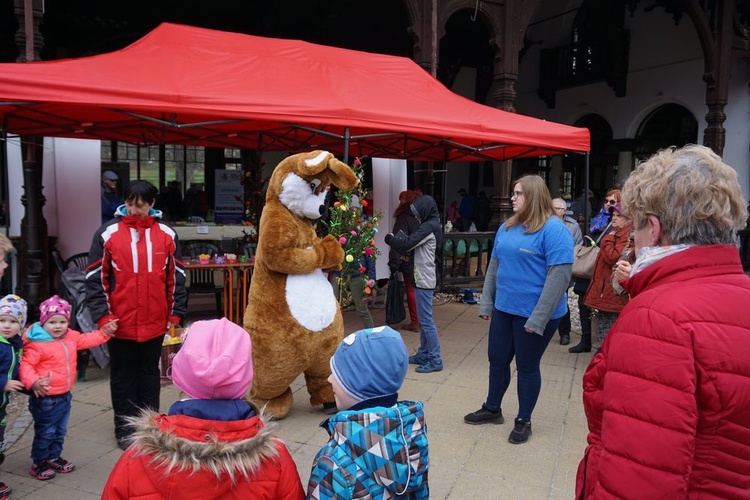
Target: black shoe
564 339
484 416
123 442
580 347
521 432
330 408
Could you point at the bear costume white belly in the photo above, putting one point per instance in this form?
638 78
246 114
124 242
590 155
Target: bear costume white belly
310 299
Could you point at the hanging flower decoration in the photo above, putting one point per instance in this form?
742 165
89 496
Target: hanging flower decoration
355 231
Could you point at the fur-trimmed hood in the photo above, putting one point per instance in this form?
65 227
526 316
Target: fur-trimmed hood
179 456
180 443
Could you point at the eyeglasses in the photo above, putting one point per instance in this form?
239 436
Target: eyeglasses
516 194
560 208
610 201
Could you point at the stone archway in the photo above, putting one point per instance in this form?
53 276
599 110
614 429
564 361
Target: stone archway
602 157
668 125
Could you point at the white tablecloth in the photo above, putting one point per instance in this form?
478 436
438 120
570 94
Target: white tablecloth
217 233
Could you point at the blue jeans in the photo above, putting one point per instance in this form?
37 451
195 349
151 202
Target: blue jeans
508 338
51 414
429 344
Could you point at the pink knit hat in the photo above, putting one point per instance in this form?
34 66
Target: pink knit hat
215 361
52 307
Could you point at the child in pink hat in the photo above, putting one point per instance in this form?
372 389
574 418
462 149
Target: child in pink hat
213 440
48 370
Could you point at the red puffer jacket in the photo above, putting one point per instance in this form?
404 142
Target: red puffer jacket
600 294
668 397
135 274
180 457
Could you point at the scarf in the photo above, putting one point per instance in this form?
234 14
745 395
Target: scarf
651 255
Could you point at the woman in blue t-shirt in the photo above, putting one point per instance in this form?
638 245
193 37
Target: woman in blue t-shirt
524 294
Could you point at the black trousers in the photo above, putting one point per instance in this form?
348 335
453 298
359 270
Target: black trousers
585 314
563 328
134 381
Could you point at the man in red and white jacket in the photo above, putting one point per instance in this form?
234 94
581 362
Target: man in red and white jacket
135 289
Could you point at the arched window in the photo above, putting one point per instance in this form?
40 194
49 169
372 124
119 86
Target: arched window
602 158
668 125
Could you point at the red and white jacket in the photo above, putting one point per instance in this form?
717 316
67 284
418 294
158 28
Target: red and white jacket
668 397
135 275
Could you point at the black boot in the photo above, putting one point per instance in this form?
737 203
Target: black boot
580 347
585 314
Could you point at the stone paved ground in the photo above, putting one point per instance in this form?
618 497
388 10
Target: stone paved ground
466 461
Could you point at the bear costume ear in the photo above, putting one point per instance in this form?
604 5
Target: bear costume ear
339 173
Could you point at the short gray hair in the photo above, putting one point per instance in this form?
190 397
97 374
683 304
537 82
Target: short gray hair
695 195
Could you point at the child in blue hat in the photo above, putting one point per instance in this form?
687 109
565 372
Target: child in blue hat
13 317
368 369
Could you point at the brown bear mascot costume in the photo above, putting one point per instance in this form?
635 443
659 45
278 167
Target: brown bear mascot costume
292 315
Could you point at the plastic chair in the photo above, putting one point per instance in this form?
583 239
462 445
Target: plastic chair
202 280
79 261
248 249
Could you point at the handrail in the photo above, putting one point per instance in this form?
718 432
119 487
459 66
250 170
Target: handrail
465 258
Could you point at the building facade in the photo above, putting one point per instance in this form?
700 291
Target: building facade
640 75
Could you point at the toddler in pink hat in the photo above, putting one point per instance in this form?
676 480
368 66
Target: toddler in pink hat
48 370
214 440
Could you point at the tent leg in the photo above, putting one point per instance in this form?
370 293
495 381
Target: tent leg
587 205
347 137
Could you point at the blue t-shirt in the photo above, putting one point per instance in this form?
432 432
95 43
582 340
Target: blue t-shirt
523 260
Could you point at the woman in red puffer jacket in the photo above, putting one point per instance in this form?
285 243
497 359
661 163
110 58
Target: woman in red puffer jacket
668 397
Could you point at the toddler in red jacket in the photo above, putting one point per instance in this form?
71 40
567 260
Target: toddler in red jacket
48 370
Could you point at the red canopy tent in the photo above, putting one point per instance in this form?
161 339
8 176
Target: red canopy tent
195 86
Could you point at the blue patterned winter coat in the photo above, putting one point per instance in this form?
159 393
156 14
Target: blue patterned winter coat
346 466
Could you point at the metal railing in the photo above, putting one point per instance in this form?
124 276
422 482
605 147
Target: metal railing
465 258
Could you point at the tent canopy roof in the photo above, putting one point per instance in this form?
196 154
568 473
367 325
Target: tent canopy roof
195 86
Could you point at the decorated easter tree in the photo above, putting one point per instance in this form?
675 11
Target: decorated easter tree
355 231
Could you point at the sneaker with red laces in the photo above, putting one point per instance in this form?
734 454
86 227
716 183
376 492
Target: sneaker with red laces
42 471
61 465
5 490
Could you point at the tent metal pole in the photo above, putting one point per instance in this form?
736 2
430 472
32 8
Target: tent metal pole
587 204
347 136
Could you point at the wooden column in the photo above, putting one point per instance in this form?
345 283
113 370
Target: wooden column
506 45
717 81
33 261
33 278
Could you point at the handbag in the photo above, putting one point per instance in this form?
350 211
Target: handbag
584 256
395 312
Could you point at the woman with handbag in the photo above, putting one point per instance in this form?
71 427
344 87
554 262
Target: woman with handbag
600 295
600 226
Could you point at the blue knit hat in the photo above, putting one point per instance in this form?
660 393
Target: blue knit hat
13 305
371 363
